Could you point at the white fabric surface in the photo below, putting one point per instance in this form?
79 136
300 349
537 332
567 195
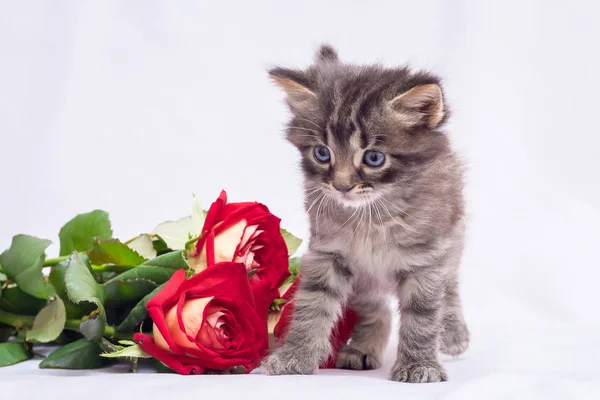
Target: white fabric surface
506 361
130 106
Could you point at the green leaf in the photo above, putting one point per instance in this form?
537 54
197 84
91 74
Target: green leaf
124 291
138 313
291 241
277 304
198 216
158 270
80 283
57 279
295 265
49 322
3 277
12 353
173 260
130 351
16 301
177 233
24 261
143 245
78 234
81 286
160 245
112 251
92 327
80 354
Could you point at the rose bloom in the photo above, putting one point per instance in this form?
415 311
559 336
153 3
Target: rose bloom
207 322
244 233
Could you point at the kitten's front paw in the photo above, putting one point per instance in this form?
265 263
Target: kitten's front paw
289 362
455 339
422 372
351 358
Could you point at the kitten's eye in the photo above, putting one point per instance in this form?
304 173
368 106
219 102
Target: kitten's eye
374 158
322 154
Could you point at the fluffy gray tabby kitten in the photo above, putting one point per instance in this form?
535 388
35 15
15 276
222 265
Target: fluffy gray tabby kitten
384 196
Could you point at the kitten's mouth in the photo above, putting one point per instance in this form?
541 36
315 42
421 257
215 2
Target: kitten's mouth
355 199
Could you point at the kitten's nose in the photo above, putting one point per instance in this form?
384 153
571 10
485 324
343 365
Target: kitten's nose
343 188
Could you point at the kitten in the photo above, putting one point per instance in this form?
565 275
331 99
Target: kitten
384 195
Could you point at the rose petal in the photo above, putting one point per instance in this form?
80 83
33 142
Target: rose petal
249 233
164 299
213 317
178 363
227 242
198 261
192 315
184 321
250 261
247 260
159 339
247 242
273 320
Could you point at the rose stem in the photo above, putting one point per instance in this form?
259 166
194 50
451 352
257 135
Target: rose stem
25 321
112 268
53 261
96 268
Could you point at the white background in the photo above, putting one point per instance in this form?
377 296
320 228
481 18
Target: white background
132 106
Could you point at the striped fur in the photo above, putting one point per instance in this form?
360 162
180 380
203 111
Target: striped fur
398 231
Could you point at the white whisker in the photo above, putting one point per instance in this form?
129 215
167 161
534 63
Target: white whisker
383 228
407 214
351 216
307 194
359 222
317 221
402 223
314 202
369 231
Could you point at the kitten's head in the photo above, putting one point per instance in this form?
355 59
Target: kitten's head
362 130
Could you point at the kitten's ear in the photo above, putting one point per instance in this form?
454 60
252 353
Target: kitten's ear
421 105
326 53
295 84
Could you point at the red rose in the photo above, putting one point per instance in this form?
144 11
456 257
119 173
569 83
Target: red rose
279 324
244 233
206 322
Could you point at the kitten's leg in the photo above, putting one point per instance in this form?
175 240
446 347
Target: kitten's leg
455 336
421 307
324 287
370 335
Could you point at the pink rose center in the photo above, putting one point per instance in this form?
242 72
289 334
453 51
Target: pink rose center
247 248
215 331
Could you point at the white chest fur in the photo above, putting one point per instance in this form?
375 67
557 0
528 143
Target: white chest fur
370 252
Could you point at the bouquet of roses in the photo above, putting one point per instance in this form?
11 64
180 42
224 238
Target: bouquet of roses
212 292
